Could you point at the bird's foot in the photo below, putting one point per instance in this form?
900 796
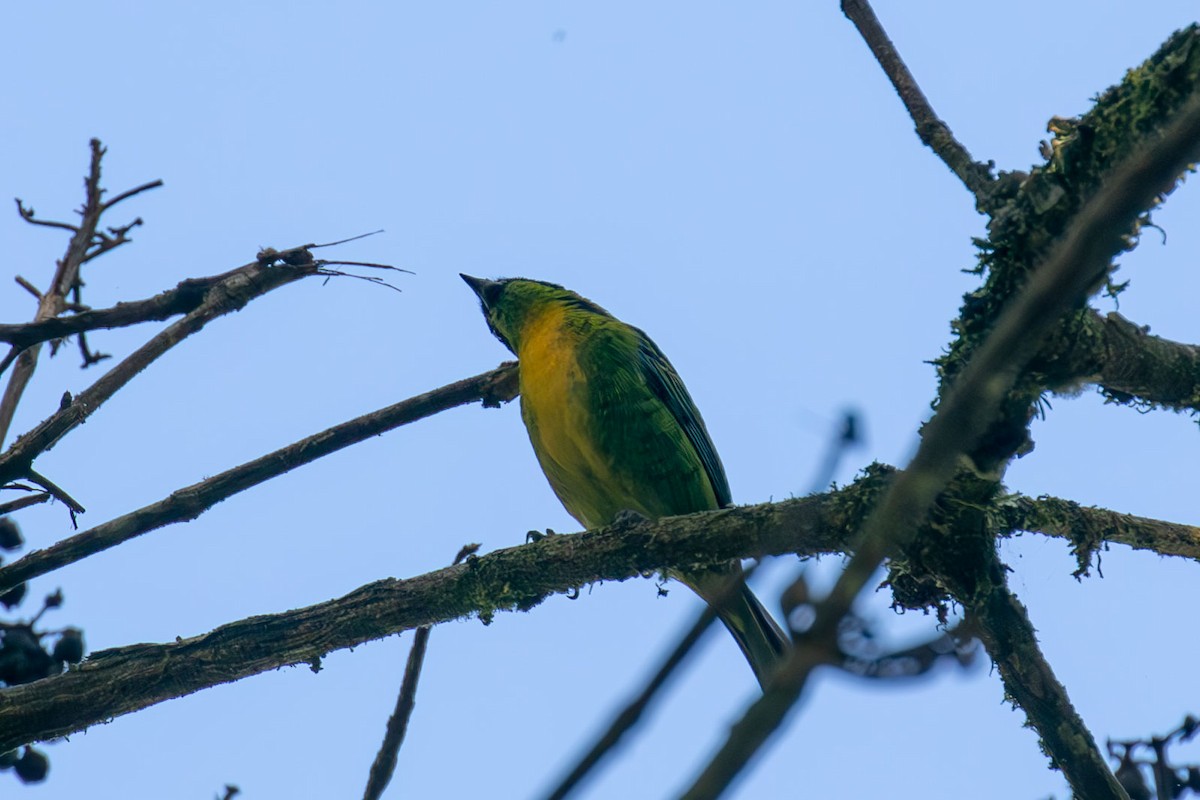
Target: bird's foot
628 518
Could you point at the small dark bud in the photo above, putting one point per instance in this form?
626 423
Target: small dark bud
69 647
10 534
1190 724
54 600
33 766
13 597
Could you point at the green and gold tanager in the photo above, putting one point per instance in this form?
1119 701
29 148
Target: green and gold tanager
615 430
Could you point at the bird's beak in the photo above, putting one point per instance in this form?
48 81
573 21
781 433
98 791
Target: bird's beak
480 286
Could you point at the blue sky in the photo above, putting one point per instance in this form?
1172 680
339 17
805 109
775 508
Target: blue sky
739 181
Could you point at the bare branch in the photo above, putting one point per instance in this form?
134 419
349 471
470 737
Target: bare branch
183 298
29 287
192 501
23 502
933 132
130 193
57 492
631 714
29 215
66 275
231 294
397 724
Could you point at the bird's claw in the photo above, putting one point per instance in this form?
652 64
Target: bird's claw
628 518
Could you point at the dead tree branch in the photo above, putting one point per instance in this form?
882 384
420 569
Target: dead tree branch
230 294
192 501
87 242
183 298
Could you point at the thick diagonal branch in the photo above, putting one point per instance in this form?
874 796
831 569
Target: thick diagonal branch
1074 270
115 682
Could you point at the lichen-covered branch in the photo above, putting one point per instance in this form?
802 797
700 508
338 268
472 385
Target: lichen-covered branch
1076 266
1041 205
1088 528
1129 364
1002 624
119 681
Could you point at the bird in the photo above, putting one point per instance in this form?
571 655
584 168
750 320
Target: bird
617 434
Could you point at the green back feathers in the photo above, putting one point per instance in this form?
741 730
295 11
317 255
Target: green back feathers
666 384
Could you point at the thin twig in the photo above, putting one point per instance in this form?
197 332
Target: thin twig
375 279
372 265
29 215
29 287
632 713
57 492
190 502
1073 270
932 131
397 725
130 193
343 241
628 717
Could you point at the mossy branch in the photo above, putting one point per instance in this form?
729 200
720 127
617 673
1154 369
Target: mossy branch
122 680
1129 364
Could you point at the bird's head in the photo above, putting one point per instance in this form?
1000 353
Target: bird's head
509 304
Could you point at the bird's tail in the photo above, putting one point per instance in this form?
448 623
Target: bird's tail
756 632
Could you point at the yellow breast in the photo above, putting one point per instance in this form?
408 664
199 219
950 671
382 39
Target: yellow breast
554 408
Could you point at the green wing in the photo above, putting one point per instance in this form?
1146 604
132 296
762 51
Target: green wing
667 386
